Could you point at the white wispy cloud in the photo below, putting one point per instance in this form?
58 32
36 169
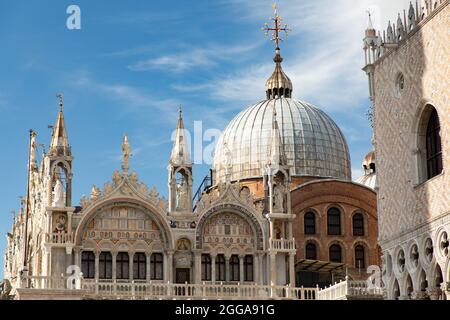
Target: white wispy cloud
189 58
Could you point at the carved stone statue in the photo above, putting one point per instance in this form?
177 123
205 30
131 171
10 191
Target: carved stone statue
278 199
95 193
58 195
116 178
126 153
182 195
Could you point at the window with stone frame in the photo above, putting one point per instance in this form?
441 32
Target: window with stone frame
248 268
358 224
335 253
156 262
88 264
334 221
122 265
220 268
206 267
309 223
434 146
139 266
105 265
311 251
234 268
360 257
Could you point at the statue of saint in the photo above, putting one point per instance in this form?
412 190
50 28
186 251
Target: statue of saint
278 199
126 153
58 195
182 195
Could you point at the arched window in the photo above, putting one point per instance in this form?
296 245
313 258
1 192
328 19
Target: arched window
433 145
234 268
360 261
335 253
310 223
88 264
334 221
139 266
105 265
206 267
311 251
122 265
248 268
156 262
358 224
220 267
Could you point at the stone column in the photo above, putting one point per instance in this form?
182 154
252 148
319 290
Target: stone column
292 269
213 268
273 269
261 268
256 272
227 269
131 256
97 264
241 268
197 266
169 266
147 273
114 265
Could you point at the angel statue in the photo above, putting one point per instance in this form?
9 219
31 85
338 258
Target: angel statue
126 153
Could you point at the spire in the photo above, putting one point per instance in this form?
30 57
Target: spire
279 84
60 143
276 151
370 31
180 151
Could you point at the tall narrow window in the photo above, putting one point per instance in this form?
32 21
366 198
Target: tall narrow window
434 147
335 253
88 264
360 261
358 224
206 267
334 221
139 266
156 261
220 267
234 268
310 223
311 251
105 265
248 268
122 265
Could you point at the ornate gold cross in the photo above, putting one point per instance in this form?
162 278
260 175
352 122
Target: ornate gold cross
278 27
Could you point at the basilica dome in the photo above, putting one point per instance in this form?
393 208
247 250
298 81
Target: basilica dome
313 143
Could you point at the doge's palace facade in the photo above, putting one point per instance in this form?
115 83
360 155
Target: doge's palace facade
408 74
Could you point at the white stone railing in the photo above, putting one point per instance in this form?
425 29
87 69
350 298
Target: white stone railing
60 237
348 288
115 289
282 244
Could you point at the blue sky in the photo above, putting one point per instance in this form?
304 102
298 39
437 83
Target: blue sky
133 62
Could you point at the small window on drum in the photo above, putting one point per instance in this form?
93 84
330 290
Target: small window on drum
399 85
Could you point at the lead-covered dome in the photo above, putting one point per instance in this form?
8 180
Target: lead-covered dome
313 143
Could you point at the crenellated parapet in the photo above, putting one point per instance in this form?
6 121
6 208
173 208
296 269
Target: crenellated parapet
378 42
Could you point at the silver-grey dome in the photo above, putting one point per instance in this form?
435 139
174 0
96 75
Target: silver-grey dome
313 143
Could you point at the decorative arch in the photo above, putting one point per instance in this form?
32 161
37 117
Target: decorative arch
154 214
234 209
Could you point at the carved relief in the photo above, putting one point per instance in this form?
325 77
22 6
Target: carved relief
228 229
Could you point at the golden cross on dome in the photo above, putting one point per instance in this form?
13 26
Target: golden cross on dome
278 28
